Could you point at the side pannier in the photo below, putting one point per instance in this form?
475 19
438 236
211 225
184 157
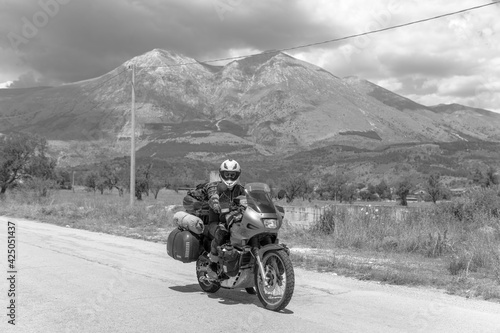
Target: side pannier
183 245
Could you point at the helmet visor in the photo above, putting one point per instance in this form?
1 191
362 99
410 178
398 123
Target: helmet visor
229 175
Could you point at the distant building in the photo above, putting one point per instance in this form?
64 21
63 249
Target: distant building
420 193
412 198
457 192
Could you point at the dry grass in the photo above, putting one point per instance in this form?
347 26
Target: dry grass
456 244
147 219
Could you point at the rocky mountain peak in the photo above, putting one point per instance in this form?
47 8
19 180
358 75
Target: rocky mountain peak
159 58
268 102
276 59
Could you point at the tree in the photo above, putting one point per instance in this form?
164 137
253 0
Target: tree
156 183
383 190
491 177
369 193
91 181
307 188
348 193
486 178
434 187
365 195
293 186
281 194
112 175
143 179
101 184
403 189
477 176
332 183
63 179
23 156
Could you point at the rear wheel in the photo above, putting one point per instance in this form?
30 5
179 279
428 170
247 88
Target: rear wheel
201 273
275 288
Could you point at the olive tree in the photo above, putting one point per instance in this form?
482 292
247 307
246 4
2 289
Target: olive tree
403 188
434 187
487 177
23 156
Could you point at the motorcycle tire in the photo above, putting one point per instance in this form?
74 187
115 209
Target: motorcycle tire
201 274
275 289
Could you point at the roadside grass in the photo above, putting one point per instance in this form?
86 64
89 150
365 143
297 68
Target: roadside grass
148 219
453 246
399 269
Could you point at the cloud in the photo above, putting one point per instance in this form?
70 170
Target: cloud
30 79
88 38
431 65
459 86
77 40
4 85
393 85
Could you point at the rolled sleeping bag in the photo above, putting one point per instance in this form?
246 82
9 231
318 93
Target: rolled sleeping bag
189 222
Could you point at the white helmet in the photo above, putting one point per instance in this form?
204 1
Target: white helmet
229 173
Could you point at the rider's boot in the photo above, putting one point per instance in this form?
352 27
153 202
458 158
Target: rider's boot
213 269
213 266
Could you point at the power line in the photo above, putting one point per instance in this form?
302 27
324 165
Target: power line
278 50
334 39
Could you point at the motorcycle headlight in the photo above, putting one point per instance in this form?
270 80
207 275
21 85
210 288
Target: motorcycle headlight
270 223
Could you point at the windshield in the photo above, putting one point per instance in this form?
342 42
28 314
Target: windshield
259 198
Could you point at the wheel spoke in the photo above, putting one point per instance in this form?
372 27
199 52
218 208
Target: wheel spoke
203 280
274 289
275 285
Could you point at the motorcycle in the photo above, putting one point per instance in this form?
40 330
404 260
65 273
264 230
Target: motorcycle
253 257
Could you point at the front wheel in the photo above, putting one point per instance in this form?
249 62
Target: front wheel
275 288
201 274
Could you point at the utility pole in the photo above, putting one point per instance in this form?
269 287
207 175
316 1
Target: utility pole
132 141
73 182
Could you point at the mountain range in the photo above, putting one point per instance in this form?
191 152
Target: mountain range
269 104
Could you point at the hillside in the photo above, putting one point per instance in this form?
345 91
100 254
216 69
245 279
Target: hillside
453 160
265 105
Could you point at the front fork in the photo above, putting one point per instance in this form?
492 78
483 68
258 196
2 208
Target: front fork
255 253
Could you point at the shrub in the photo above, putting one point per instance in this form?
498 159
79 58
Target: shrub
478 249
326 223
40 187
433 231
458 264
472 207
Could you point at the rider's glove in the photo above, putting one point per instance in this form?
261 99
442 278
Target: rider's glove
213 202
216 208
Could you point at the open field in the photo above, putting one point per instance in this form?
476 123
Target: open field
454 246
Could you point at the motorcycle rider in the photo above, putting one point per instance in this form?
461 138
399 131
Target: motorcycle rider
221 192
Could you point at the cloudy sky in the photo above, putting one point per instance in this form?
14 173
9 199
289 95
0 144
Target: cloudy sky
455 59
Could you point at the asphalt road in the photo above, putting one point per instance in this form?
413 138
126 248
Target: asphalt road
72 280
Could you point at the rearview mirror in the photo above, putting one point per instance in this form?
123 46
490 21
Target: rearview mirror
281 210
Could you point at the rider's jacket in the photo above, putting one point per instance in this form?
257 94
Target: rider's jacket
216 195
